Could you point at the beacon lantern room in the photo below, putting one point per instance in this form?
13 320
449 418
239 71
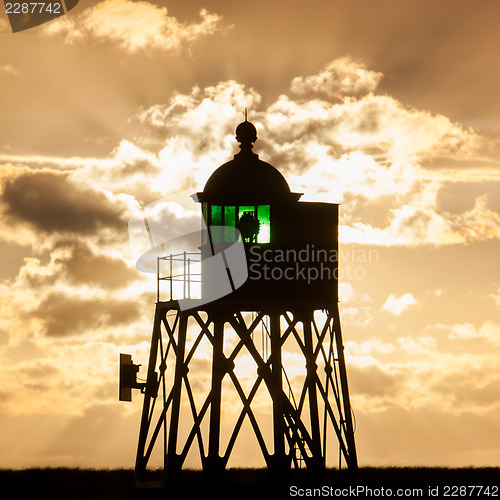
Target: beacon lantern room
291 246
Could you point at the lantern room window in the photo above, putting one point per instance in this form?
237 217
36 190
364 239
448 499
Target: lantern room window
253 222
264 216
230 223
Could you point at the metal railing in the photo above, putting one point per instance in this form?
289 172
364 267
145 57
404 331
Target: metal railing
178 268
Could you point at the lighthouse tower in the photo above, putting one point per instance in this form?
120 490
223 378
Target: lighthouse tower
258 371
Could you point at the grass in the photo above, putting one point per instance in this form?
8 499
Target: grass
83 484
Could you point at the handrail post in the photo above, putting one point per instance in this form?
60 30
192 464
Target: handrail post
171 281
184 276
157 279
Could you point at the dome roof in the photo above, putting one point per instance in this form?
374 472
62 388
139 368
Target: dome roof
246 179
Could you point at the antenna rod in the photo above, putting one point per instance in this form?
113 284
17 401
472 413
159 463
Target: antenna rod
246 114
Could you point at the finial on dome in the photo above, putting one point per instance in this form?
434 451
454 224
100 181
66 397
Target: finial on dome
246 134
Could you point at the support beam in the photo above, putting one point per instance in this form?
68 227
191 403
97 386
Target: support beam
192 414
352 461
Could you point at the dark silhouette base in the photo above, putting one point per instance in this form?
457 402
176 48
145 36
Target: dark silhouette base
78 484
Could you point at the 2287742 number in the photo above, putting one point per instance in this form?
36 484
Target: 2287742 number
32 8
470 491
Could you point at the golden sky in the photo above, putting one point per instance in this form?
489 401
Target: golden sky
390 108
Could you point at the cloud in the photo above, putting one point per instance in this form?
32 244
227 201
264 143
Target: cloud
62 315
134 26
496 297
305 136
82 265
48 201
488 331
420 222
78 299
99 436
368 348
369 152
78 289
203 120
198 131
375 125
428 437
397 305
5 27
367 149
372 381
478 224
339 78
74 264
9 70
418 346
428 368
346 292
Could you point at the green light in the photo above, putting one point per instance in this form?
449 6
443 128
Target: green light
204 209
264 216
216 220
230 223
228 215
216 215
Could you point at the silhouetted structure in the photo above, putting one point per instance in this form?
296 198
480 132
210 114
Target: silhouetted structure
274 344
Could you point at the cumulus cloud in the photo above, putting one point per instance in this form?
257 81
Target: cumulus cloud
340 78
478 224
419 346
76 263
397 305
62 315
207 117
427 370
82 265
372 381
371 347
488 331
419 222
376 125
198 130
365 150
346 292
48 202
79 291
133 26
78 232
